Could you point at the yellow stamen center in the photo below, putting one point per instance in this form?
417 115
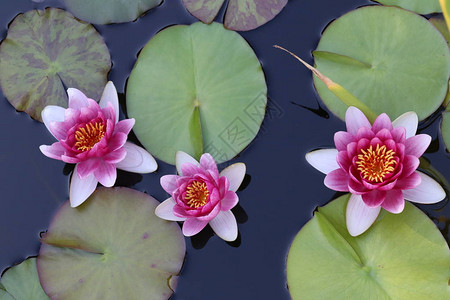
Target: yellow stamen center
197 194
89 135
376 164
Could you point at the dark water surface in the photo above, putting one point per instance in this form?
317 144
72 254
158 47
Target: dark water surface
281 196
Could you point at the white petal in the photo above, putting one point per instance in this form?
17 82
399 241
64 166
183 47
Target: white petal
225 226
137 160
165 210
52 113
359 217
110 95
81 189
409 121
427 192
235 174
323 160
182 158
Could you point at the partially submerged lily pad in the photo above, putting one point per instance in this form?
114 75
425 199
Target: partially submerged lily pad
197 89
110 11
419 6
241 15
44 53
401 256
111 247
21 282
391 59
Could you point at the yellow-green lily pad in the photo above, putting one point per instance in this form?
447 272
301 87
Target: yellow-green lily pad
111 247
198 89
419 6
401 256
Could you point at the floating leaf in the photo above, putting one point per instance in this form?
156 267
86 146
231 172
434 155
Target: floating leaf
197 88
419 6
401 256
47 51
400 61
109 11
440 24
445 6
445 128
241 15
111 247
21 282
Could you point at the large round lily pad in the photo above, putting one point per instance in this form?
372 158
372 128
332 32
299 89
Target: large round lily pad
47 51
110 11
401 256
391 59
241 15
419 6
197 88
21 282
111 247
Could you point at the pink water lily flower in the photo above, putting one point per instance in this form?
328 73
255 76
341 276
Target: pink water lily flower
200 195
90 135
377 165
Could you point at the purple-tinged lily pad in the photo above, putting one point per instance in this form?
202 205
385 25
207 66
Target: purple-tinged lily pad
113 246
22 282
47 51
241 15
109 11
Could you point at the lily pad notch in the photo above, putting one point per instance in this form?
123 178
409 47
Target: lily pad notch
197 89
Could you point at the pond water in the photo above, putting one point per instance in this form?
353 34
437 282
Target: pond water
282 192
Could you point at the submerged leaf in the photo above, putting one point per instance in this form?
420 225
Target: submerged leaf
203 87
402 256
44 53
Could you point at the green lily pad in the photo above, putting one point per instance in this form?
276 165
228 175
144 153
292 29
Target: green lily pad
197 88
439 22
241 15
419 6
109 11
47 51
401 256
21 282
391 59
445 128
111 247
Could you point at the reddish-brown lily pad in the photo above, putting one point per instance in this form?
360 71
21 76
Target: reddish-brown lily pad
241 15
44 53
113 246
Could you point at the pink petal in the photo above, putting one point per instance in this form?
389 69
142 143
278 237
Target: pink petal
394 201
399 134
374 198
225 226
181 158
323 160
117 141
229 201
137 160
337 180
77 99
384 134
87 167
207 163
357 188
364 132
52 113
110 96
343 160
58 130
410 164
428 191
342 139
55 151
169 183
192 226
409 121
235 175
355 119
81 189
106 174
417 144
165 211
359 217
382 122
116 156
188 169
409 182
124 126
